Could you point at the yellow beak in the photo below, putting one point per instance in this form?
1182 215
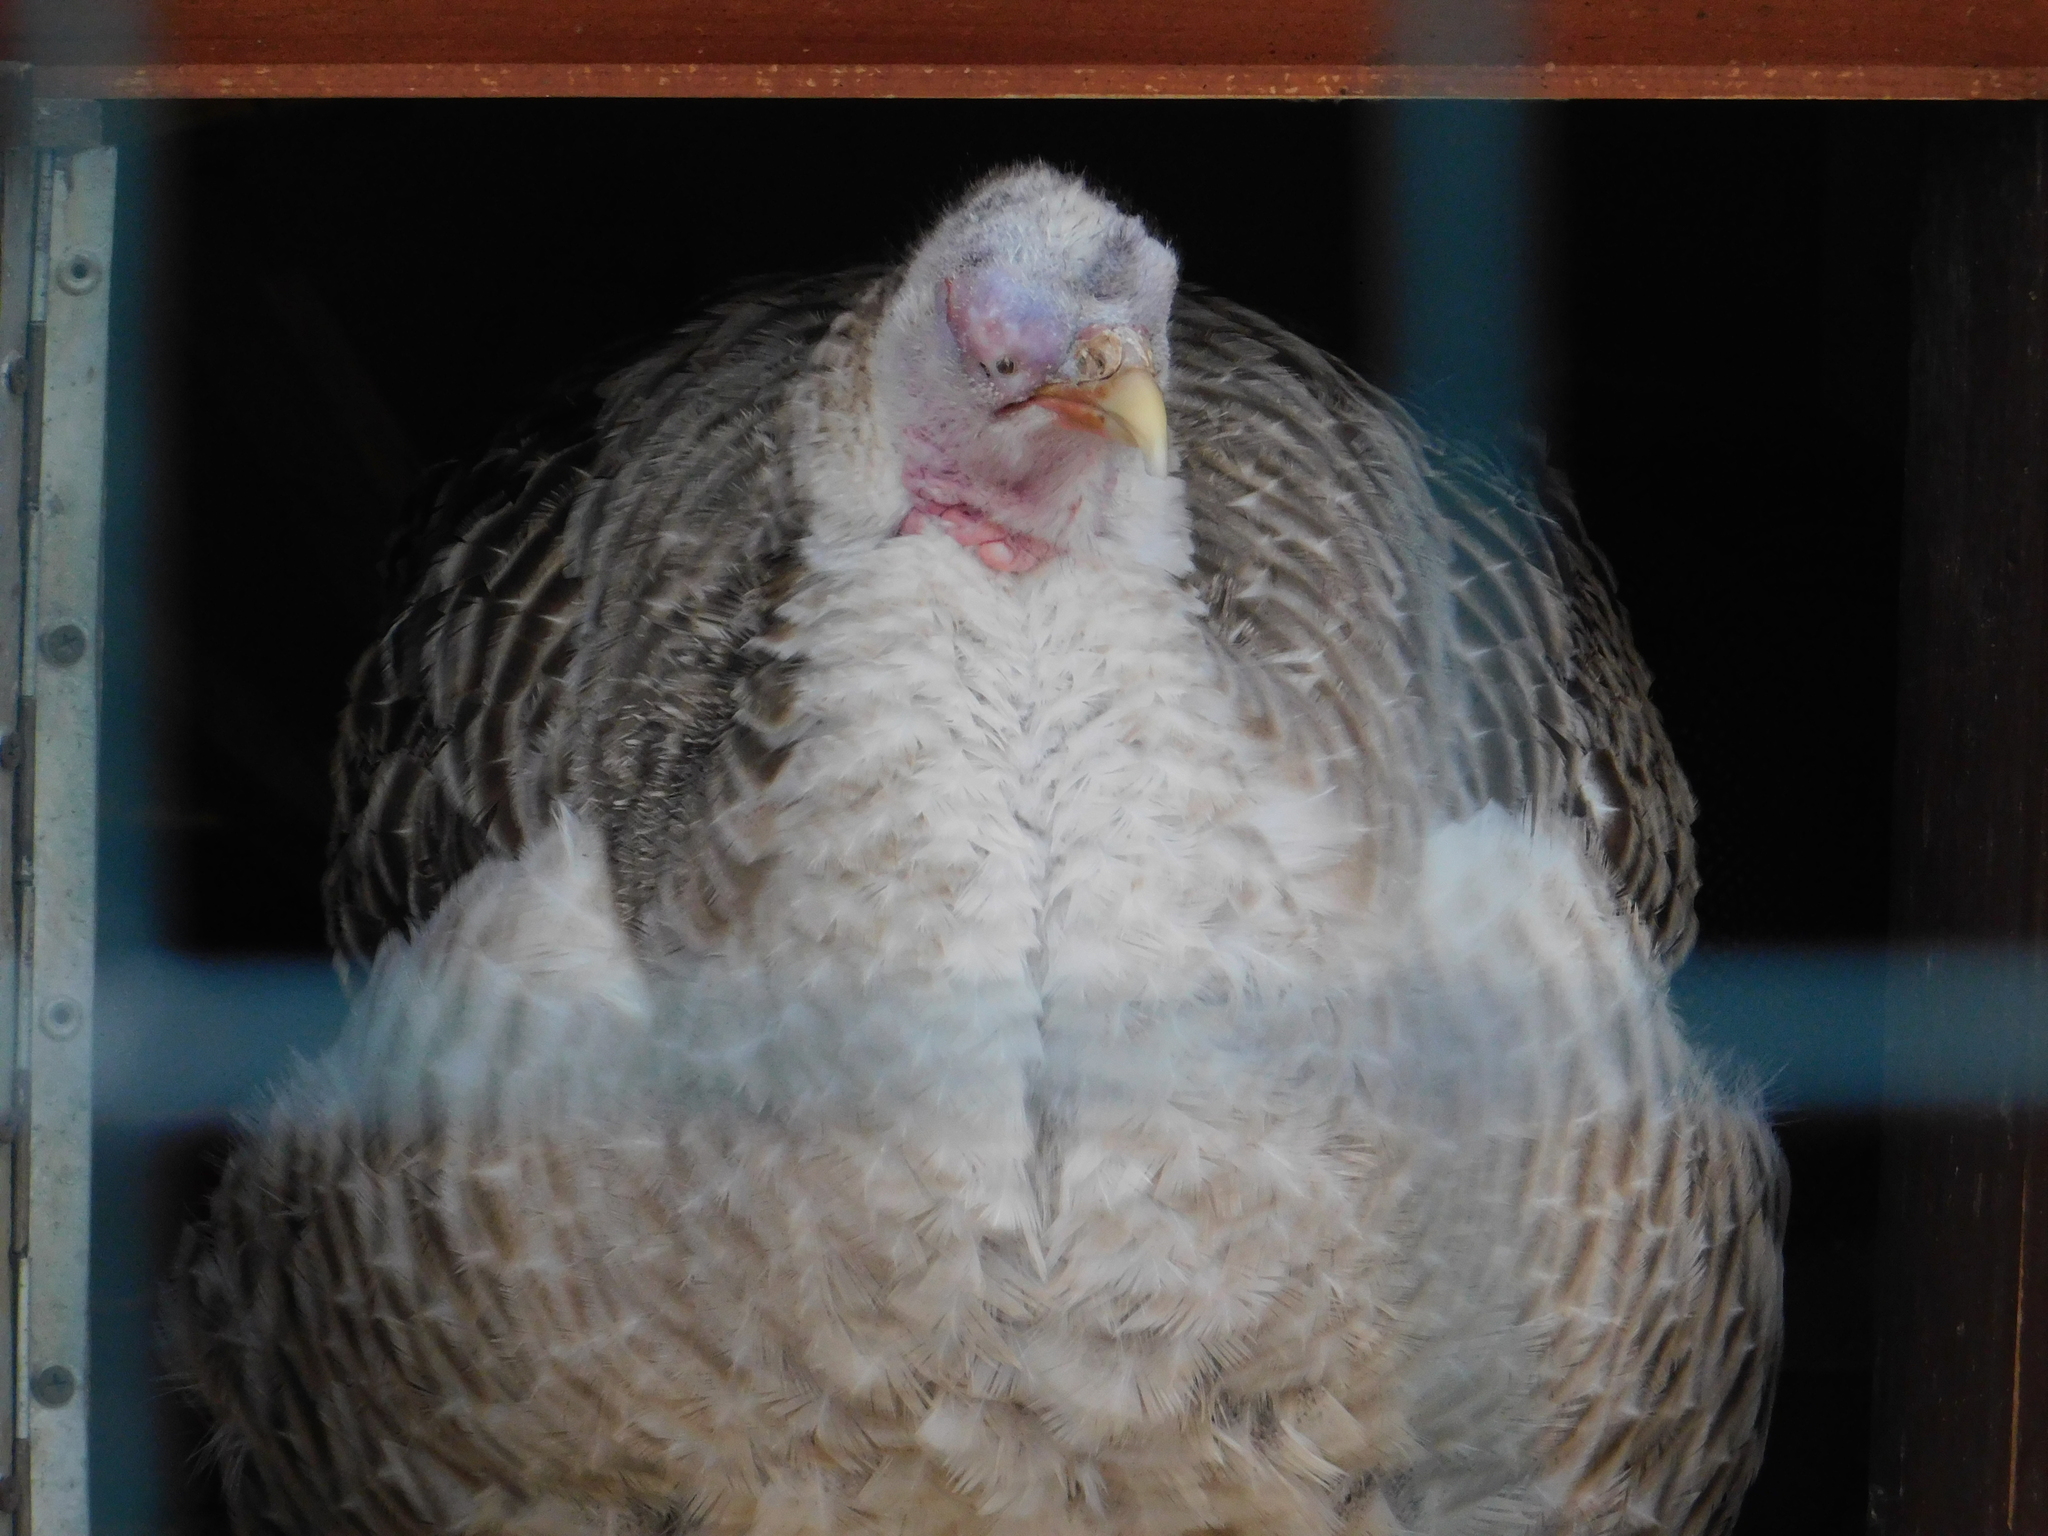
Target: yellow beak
1126 407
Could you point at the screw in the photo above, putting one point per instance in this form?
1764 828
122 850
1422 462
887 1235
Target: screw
54 1386
63 1018
64 644
14 373
79 273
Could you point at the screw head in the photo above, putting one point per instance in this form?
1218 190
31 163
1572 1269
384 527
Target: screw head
54 1386
14 373
79 272
63 644
62 1018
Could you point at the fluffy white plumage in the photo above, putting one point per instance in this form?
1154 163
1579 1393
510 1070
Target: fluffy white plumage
1074 1071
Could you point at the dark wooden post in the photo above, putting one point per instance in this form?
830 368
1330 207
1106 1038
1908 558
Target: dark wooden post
1961 1438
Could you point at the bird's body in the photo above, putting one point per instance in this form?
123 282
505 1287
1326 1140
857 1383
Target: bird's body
959 985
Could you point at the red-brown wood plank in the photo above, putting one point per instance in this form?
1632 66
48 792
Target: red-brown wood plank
1034 47
1278 82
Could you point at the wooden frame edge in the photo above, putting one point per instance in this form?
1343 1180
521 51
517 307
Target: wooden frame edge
1256 82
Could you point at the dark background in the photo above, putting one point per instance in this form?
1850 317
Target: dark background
1710 314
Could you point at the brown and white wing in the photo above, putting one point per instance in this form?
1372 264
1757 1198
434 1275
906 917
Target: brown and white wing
1550 706
1455 632
1663 1261
1596 1221
578 622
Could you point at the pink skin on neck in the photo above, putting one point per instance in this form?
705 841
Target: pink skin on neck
1012 520
998 548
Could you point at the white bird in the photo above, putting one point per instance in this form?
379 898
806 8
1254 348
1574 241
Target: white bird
1006 905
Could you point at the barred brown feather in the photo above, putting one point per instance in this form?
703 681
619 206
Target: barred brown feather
578 632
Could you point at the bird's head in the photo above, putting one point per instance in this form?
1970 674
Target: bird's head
1021 366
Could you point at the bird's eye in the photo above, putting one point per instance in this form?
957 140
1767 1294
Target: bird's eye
1006 365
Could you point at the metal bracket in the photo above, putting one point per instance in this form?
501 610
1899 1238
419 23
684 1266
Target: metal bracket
56 252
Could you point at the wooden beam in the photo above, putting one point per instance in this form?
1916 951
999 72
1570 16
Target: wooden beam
1961 1438
1195 81
1307 48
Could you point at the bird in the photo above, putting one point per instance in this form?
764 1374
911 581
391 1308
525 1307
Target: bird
989 896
